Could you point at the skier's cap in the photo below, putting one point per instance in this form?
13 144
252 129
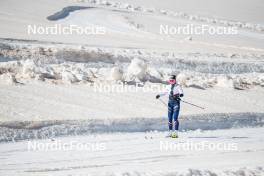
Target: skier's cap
173 77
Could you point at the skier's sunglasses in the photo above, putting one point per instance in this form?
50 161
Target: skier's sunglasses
172 81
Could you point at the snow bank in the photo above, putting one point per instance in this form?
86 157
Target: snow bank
233 172
74 73
80 64
13 131
138 71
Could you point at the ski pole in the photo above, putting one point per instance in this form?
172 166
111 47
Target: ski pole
183 102
163 103
192 104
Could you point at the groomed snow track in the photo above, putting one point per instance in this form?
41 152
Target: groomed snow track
15 131
139 154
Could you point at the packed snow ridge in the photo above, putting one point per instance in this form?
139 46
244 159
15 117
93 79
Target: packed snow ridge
80 64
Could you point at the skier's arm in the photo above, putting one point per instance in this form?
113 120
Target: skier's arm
162 94
181 94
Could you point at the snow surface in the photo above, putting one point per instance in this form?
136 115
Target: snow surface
42 101
140 154
136 27
28 130
47 87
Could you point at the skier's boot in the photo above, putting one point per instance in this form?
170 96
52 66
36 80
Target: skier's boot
169 134
174 134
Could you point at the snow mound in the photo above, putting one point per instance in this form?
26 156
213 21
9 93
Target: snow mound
68 77
154 76
116 74
8 79
137 70
181 79
225 82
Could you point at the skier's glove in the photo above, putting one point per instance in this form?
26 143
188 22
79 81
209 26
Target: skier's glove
177 97
157 96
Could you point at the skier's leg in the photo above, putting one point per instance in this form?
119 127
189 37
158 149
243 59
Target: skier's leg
176 111
170 115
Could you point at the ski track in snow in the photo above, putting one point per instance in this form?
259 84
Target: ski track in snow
141 154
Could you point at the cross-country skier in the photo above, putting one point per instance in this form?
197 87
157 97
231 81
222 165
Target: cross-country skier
175 93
